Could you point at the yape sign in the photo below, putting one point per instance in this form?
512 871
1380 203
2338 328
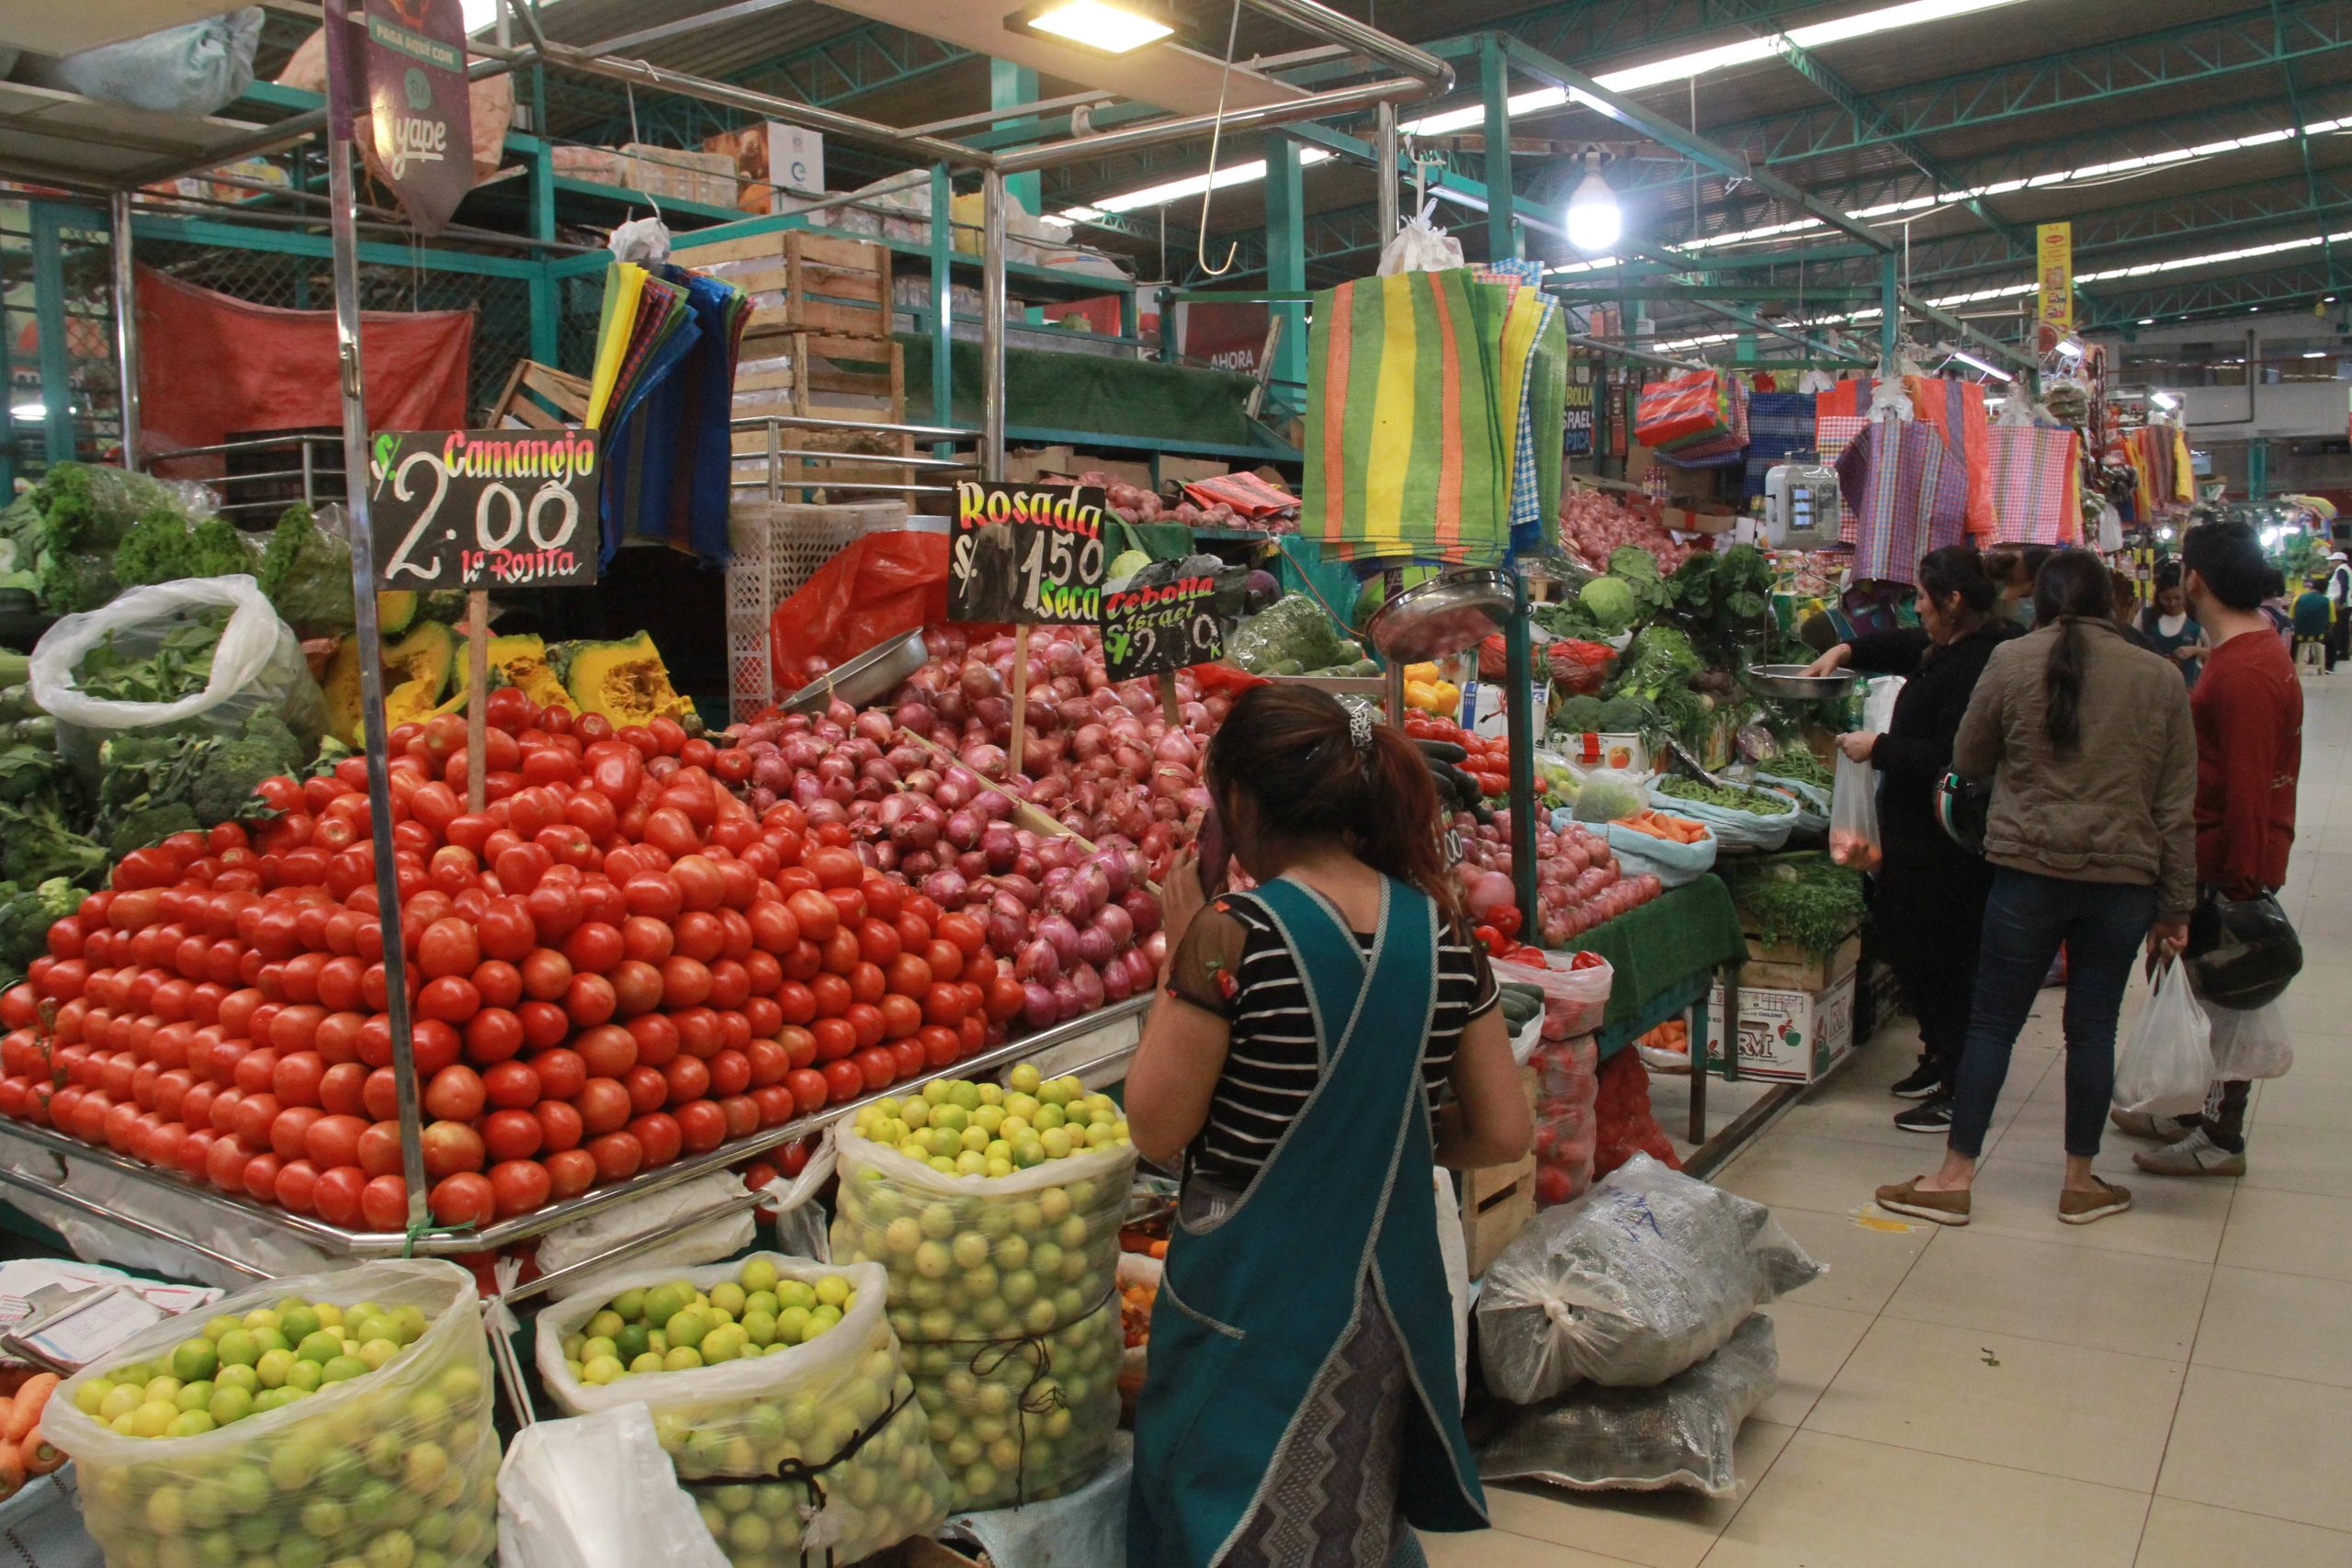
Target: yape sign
1027 553
414 62
484 508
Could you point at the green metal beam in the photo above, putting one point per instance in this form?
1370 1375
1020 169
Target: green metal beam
2290 284
1285 200
835 70
2302 137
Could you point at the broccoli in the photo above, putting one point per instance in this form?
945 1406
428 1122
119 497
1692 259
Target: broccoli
224 784
206 777
162 548
27 774
37 843
1581 714
26 915
1623 715
149 825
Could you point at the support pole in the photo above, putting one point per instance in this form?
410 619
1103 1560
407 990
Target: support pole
1503 237
1011 86
1890 320
126 323
943 292
1285 260
1385 138
1518 713
343 230
991 324
49 333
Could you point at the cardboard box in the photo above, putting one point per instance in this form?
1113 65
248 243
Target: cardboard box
1593 749
1785 1036
1136 473
1175 469
1703 518
1027 463
1783 967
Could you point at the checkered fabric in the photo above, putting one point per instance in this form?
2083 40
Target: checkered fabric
1910 497
1779 424
1831 435
2032 466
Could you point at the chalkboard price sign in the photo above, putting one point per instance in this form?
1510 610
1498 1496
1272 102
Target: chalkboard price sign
1030 553
478 509
1150 628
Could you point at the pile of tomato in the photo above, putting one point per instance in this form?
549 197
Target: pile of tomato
613 964
1487 760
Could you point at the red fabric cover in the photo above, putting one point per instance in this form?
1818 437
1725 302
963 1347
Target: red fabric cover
208 364
873 589
1932 397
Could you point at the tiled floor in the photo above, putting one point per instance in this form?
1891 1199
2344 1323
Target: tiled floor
2171 1388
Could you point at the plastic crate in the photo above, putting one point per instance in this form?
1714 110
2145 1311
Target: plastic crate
777 546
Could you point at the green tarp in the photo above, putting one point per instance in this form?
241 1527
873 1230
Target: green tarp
1140 399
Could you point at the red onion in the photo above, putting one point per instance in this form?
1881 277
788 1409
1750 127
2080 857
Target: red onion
1040 960
1039 1008
1068 1002
807 791
1094 945
1117 984
916 716
1143 970
1116 925
840 713
1143 909
1088 987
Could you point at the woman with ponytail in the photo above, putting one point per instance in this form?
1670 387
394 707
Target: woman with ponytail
2092 841
1322 1042
1928 906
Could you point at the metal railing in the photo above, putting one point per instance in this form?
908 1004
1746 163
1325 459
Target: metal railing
778 482
303 451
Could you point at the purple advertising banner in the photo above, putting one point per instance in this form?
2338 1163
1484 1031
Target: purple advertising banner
420 105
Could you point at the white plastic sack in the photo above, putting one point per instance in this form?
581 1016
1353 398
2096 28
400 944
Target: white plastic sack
1419 246
1673 864
2110 529
197 69
2168 1063
1648 1273
738 1420
1574 998
1812 801
2250 1043
802 1227
597 1492
1732 827
1889 400
1878 703
704 1241
1853 816
1453 1250
258 667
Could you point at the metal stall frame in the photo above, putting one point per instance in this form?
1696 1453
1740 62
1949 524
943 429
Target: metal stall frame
1417 75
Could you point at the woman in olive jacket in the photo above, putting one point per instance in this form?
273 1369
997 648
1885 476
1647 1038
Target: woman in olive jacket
1928 908
2093 759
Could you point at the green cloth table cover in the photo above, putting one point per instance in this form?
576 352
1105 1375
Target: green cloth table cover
1681 933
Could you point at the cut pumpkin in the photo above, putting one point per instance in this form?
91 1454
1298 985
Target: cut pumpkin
461 676
522 661
624 681
395 611
341 684
416 671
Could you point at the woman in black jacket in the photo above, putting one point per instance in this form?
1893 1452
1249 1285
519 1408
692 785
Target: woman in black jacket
1929 908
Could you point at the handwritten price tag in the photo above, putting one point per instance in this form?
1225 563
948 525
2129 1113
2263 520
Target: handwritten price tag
1027 553
1148 627
485 508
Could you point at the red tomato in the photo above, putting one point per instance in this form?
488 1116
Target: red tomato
604 1106
455 1093
518 1186
560 1127
512 1135
336 1195
560 1072
464 1199
571 1172
810 1089
451 1146
617 1154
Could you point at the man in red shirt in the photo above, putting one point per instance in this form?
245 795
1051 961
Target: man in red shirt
2248 709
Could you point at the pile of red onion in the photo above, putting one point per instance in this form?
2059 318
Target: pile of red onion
1577 879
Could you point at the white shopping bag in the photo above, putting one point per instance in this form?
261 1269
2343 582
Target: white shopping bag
2168 1063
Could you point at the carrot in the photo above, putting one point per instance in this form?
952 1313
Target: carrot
40 1455
12 1471
24 1414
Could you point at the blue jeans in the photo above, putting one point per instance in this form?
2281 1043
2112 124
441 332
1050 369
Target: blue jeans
2102 926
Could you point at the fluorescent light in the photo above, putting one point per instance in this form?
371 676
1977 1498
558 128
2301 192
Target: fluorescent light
1974 363
29 410
1177 191
1094 24
2316 354
1595 221
2147 321
2070 349
2164 400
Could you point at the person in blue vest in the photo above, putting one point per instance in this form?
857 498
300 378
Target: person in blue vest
1321 1042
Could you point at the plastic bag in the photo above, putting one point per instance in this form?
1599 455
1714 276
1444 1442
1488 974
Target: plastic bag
1002 1291
311 585
1567 1086
1681 1433
258 667
1419 246
840 1404
1623 1125
1733 829
1673 864
2249 1042
2168 1063
1812 801
801 1226
198 69
1649 1274
1853 816
1576 994
873 589
681 1246
597 1492
384 1467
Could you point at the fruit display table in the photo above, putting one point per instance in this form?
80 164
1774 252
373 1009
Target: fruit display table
1682 936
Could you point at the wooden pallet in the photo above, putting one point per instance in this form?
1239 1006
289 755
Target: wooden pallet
541 397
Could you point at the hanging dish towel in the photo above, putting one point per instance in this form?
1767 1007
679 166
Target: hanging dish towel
1832 434
2033 500
1780 425
1909 498
1727 450
1405 454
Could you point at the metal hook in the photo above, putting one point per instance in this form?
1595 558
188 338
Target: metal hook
1216 128
639 141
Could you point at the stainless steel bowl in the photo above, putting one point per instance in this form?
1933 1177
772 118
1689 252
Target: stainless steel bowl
868 678
1455 610
1791 681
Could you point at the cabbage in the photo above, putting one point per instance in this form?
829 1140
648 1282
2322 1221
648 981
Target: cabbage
1609 602
1608 794
1128 563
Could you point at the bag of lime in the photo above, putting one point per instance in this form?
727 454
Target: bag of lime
335 1418
776 1387
996 1211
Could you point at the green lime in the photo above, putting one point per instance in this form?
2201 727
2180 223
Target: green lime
320 1345
340 1368
195 1360
190 1424
237 1348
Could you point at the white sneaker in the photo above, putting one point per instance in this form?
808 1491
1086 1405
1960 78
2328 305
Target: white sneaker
2196 1155
2155 1128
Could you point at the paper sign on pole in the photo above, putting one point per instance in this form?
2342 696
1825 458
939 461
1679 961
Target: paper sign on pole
414 62
2054 256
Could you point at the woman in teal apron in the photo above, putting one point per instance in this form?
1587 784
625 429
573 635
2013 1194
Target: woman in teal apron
1302 1407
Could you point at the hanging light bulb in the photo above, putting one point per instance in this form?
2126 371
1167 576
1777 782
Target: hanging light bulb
1594 220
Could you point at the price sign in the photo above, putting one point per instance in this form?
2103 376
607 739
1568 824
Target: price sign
1030 553
1148 626
479 509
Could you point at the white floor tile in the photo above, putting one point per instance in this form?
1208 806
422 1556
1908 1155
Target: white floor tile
2271 1446
2194 1535
2047 1290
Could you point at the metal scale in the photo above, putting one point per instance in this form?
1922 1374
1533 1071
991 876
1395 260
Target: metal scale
1801 506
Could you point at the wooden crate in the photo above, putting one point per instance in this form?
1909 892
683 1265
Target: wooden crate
1496 1202
1784 967
823 285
